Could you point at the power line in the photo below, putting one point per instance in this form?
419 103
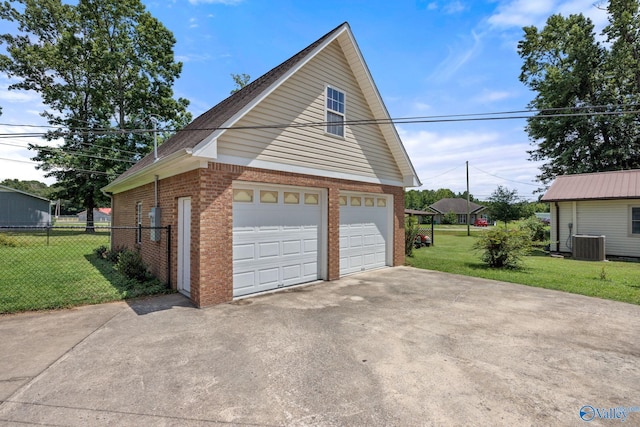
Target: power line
502 115
443 173
506 179
19 161
71 152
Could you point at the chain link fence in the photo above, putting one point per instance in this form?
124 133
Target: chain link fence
63 266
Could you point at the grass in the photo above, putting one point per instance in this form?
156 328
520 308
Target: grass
40 273
453 253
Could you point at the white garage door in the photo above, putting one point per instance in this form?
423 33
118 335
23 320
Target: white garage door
365 233
276 237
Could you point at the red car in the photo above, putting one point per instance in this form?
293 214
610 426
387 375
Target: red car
480 222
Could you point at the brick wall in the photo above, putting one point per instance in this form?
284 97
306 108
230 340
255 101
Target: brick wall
211 221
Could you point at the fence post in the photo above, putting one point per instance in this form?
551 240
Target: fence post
433 235
169 256
48 232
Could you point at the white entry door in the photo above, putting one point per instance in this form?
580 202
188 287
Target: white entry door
184 245
276 237
365 232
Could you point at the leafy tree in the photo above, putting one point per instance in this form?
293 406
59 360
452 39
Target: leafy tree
571 73
240 80
36 188
102 68
504 205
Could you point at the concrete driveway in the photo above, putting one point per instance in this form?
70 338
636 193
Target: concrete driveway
398 346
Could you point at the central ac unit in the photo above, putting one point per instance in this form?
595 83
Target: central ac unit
588 248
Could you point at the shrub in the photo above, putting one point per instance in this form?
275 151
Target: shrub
7 241
450 218
101 251
410 232
112 256
131 265
535 228
503 248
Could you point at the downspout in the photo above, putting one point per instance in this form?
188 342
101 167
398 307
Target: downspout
156 191
557 227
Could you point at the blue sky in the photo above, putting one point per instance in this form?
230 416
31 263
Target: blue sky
427 57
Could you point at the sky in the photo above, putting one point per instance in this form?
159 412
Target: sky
427 57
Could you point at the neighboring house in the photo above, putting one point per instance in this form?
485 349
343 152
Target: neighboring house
457 206
599 204
20 209
99 215
282 183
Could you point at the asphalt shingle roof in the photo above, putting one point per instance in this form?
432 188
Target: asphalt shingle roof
457 205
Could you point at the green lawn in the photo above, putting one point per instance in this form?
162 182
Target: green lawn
453 253
60 271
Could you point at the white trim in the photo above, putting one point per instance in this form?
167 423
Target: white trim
179 162
328 110
631 233
262 164
184 248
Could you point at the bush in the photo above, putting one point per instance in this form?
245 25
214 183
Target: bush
101 251
535 228
114 255
503 248
410 232
450 218
131 265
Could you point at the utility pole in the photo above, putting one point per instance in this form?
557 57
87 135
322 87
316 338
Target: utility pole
468 213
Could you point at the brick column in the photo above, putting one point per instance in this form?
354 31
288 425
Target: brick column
333 238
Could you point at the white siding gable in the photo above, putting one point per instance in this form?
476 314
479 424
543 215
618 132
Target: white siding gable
362 154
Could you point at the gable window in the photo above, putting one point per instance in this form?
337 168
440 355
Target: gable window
139 222
335 111
635 221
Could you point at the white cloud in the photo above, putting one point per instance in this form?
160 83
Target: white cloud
521 13
193 57
450 8
421 106
15 157
454 7
457 58
439 159
18 95
489 96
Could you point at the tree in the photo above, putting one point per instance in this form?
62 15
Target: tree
241 80
572 73
102 68
504 205
36 188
